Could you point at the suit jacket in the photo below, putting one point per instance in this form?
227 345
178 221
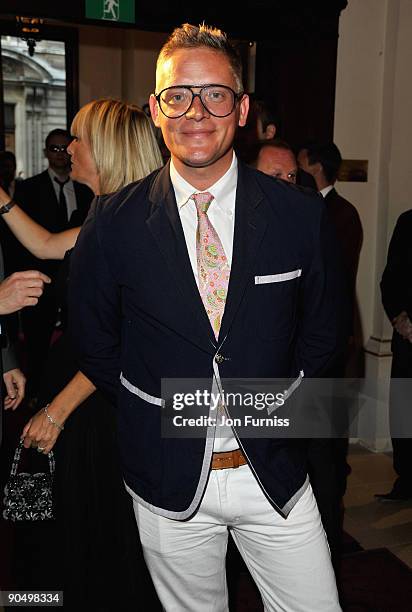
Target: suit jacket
135 309
396 287
348 227
37 198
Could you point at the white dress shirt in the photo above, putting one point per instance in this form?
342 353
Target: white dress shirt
326 190
68 191
221 214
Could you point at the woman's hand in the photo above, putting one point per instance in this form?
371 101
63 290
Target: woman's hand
40 432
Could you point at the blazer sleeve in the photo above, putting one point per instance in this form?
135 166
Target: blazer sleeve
323 329
94 309
395 286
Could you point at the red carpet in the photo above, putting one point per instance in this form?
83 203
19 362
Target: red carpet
376 581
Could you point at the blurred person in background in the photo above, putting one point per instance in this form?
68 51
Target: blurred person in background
276 158
397 302
261 125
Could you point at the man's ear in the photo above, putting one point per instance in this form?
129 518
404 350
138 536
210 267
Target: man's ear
243 110
316 169
154 110
270 131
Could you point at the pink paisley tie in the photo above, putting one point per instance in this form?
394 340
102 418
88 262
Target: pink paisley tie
212 265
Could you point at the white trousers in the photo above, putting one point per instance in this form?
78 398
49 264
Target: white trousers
288 559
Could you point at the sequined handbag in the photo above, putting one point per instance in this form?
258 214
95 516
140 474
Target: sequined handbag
28 497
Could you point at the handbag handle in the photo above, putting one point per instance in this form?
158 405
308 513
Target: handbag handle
17 455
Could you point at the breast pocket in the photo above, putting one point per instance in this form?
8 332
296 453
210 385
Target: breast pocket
276 296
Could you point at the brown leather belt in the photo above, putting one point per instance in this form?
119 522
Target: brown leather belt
231 459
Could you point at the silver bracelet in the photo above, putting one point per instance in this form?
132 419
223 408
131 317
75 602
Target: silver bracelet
52 421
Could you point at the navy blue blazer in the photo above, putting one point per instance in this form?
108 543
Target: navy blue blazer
135 309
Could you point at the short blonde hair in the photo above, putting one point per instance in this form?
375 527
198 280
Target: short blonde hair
189 36
121 139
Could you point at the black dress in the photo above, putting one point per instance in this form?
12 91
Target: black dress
97 544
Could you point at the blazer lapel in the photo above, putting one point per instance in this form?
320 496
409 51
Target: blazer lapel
165 225
250 227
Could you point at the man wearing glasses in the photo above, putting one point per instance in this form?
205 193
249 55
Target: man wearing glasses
56 202
208 269
51 197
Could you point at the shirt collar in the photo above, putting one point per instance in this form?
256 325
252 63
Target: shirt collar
220 190
53 175
326 190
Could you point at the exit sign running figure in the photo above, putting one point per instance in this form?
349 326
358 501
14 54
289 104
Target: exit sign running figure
111 10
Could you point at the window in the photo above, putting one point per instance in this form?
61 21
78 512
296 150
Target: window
39 92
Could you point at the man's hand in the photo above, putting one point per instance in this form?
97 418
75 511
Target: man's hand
15 382
21 289
403 325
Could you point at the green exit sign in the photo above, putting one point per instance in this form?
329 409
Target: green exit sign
111 10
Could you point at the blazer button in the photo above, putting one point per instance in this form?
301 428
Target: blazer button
219 358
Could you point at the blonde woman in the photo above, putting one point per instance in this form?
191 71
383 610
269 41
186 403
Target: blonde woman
113 145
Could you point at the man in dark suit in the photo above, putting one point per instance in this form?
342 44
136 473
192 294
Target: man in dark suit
210 270
56 202
322 161
397 301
